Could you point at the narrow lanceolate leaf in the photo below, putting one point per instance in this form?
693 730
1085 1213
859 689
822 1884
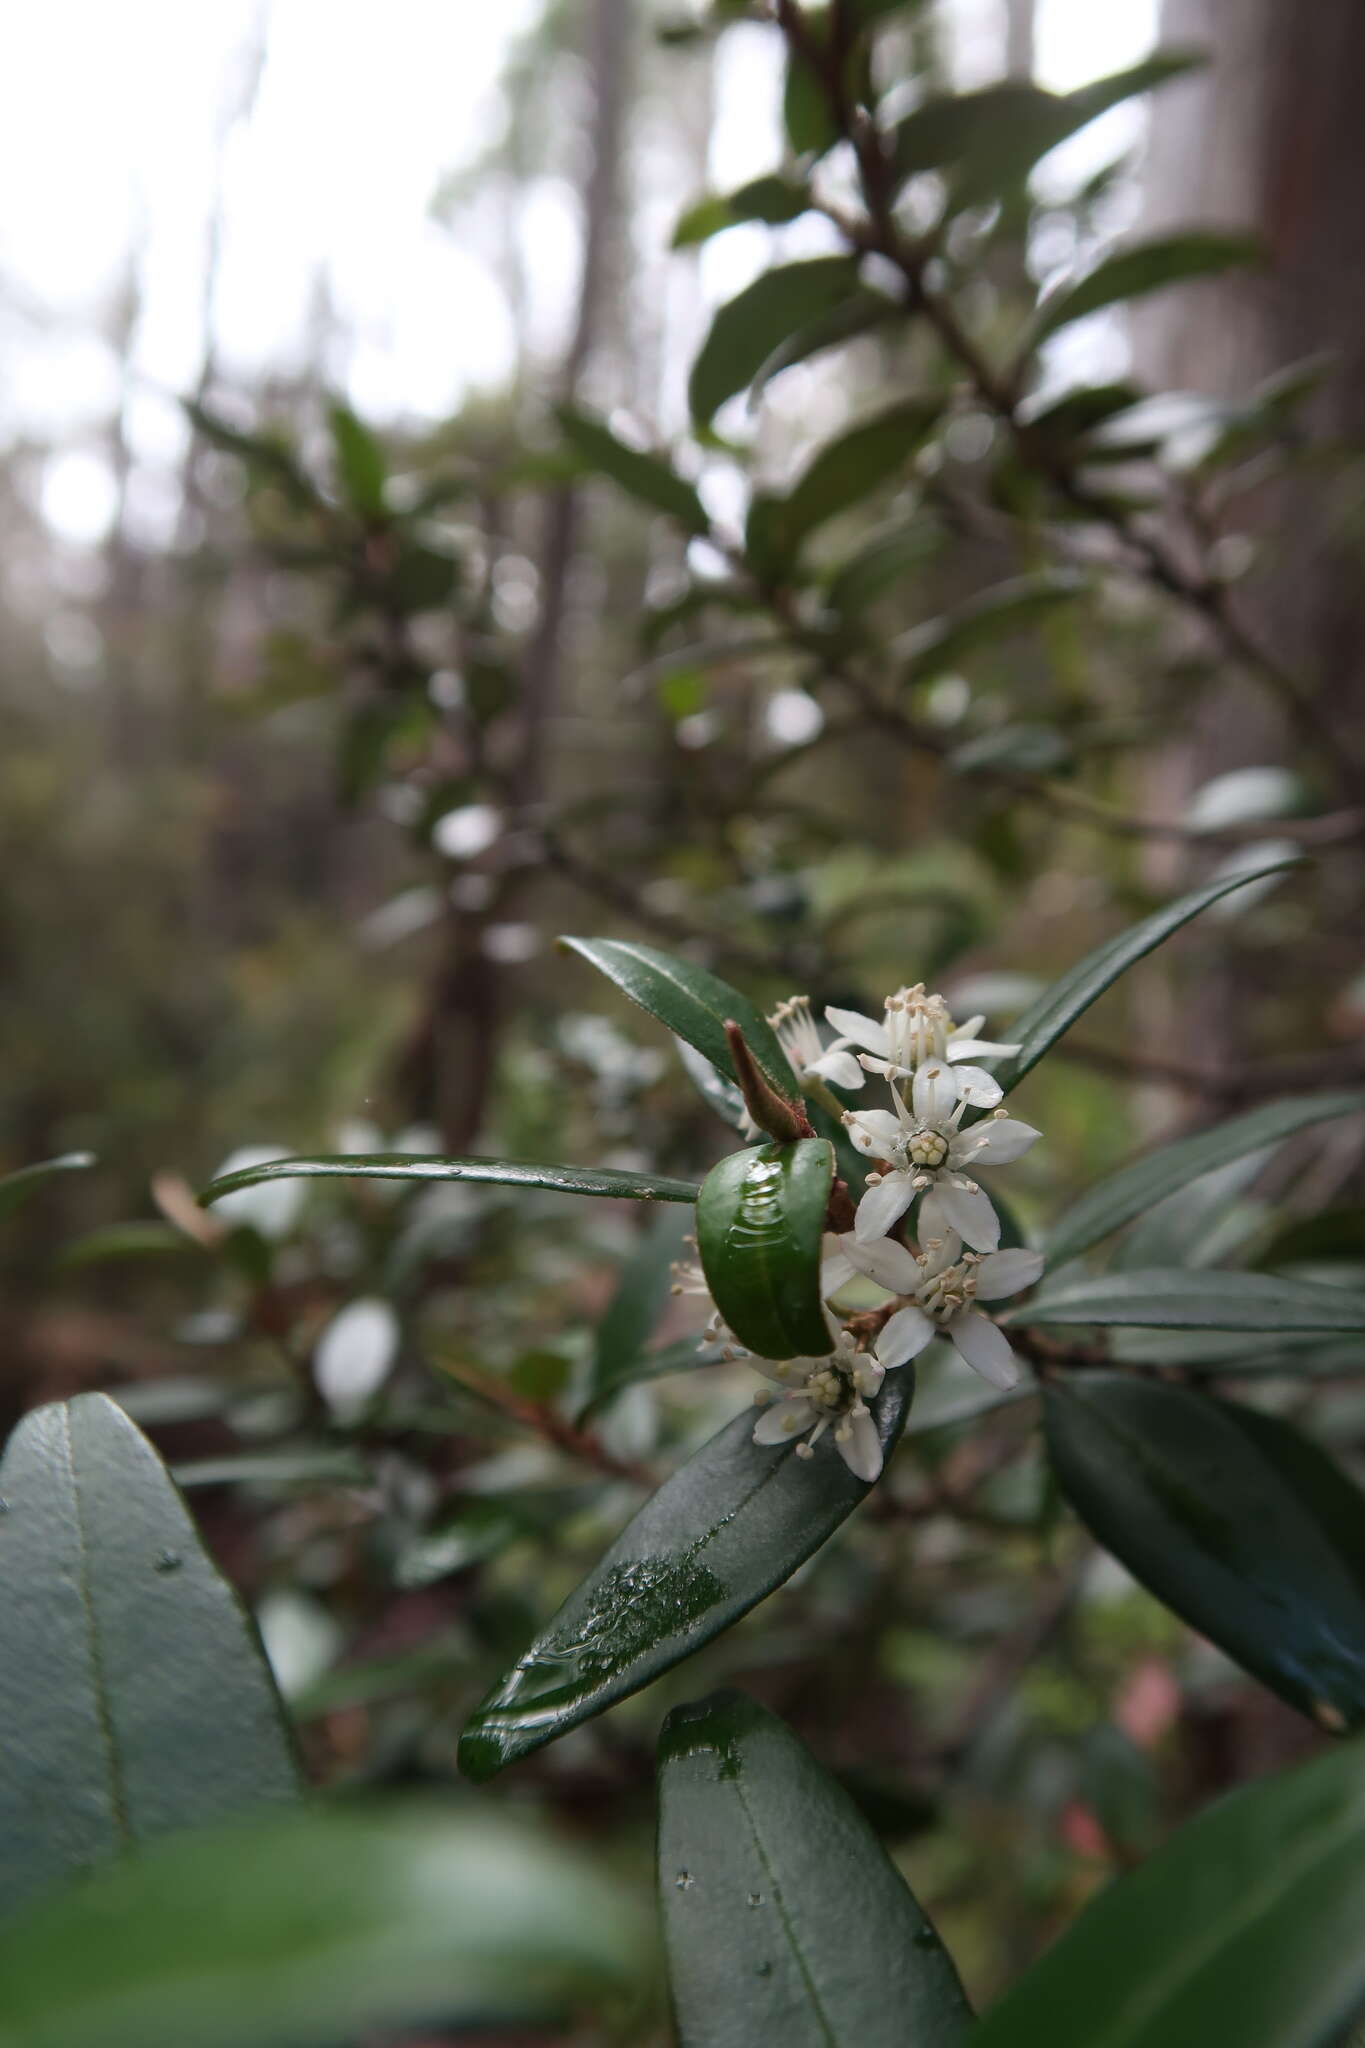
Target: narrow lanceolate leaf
18 1188
692 1002
133 1696
850 467
760 1219
1147 267
1173 1298
302 1930
751 327
771 199
756 1846
992 615
1058 1007
651 478
417 1166
1244 1928
636 1305
730 1525
1232 1518
1135 1189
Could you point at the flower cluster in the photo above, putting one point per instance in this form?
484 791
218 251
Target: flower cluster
922 1152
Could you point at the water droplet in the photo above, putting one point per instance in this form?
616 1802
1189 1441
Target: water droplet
684 1880
925 1937
764 1969
755 1898
4 1505
169 1561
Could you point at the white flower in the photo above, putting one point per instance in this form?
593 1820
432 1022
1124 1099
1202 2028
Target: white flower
949 1280
798 1034
915 1029
820 1394
931 1152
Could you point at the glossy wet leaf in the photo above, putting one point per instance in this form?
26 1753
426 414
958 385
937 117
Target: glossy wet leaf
692 1002
731 1524
750 327
992 615
416 1166
133 1695
1176 1299
755 1844
1145 267
1234 1519
21 1186
1137 1188
760 1219
639 1300
1244 1929
307 1929
648 477
1057 1008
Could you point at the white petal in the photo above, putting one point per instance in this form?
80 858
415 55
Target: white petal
993 1144
783 1372
878 1066
966 1033
882 1205
876 1131
1002 1273
862 1030
839 1067
978 1087
964 1048
862 1450
933 1229
985 1347
904 1337
886 1262
835 1272
783 1421
968 1211
934 1093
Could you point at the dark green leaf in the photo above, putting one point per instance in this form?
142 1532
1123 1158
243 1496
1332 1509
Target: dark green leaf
773 200
991 139
692 1002
760 1219
1137 1188
849 468
305 1466
416 1166
1022 749
747 331
637 1304
360 462
1147 267
755 1843
1058 1007
1232 1518
422 579
138 1240
994 614
1244 1928
304 1930
133 1697
806 115
18 1188
1177 1299
730 1525
862 312
879 564
651 478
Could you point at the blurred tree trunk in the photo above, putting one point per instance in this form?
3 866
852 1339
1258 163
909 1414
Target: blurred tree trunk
1019 38
1269 137
450 1065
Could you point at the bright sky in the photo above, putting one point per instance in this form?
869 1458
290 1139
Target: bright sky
109 119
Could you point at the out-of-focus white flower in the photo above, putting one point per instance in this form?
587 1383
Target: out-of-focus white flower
948 1282
931 1152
